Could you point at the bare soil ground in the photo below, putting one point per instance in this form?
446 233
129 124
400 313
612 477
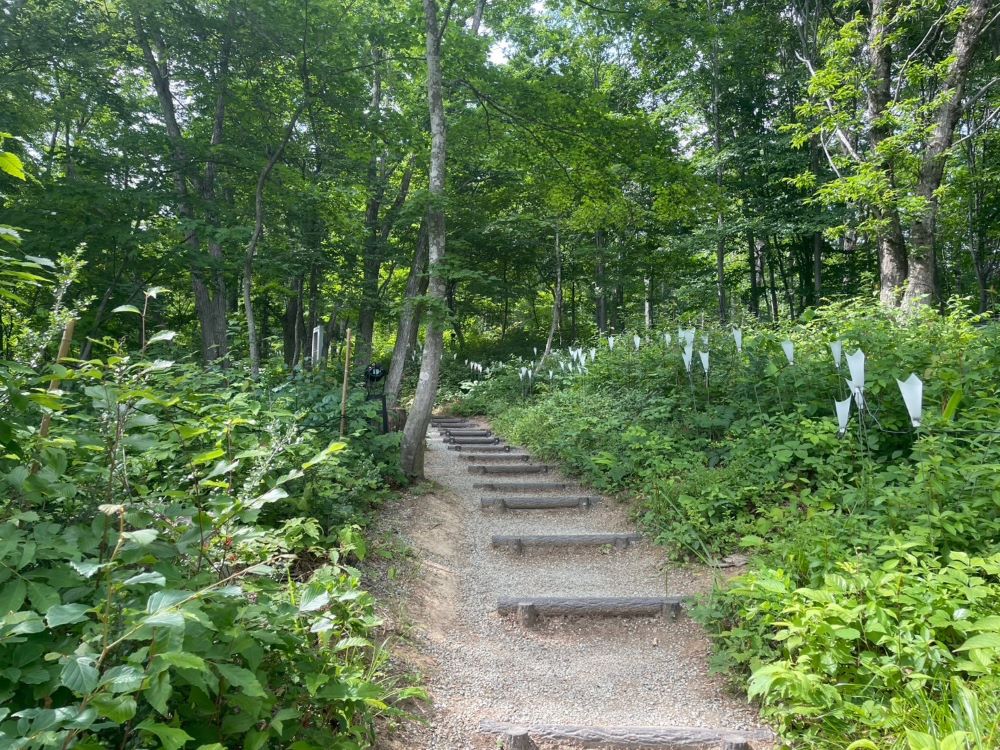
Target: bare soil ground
440 606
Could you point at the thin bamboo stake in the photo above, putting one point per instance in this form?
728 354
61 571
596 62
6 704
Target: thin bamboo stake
343 395
67 340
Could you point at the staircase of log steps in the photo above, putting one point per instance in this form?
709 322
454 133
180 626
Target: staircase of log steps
510 477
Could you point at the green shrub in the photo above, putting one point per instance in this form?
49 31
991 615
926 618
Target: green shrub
176 561
837 632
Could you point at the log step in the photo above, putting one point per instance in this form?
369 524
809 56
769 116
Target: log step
530 608
522 486
479 448
514 469
652 738
518 543
450 421
472 440
494 457
468 432
583 502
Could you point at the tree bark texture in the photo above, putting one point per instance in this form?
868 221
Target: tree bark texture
922 286
412 449
409 320
891 244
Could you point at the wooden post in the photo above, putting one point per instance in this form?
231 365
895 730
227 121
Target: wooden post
518 739
67 339
343 395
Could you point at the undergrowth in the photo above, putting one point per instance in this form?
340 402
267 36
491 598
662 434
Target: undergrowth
177 555
868 613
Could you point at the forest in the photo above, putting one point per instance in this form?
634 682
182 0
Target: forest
215 216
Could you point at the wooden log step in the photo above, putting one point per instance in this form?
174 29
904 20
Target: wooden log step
479 448
518 543
473 440
450 421
468 432
651 738
494 457
530 608
514 469
522 486
546 502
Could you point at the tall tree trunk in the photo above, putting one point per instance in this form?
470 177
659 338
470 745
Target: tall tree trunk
891 244
756 264
456 323
505 316
572 310
477 17
371 261
817 258
409 320
720 240
785 283
251 250
288 326
265 327
601 285
556 304
412 449
772 283
647 283
208 284
314 356
922 286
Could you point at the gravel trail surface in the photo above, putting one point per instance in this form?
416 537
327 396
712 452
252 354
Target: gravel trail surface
596 672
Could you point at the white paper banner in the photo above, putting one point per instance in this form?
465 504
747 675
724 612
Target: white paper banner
912 390
843 413
837 350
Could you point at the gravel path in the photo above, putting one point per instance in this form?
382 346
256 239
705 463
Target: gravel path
597 672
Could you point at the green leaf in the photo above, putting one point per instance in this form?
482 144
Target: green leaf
158 692
128 309
162 336
123 679
157 579
11 164
66 614
161 600
315 597
982 640
42 596
182 660
22 623
79 674
952 406
222 467
171 738
241 678
204 458
141 537
87 569
847 634
271 496
12 596
117 708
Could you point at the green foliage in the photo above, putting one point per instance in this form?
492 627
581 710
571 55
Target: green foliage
176 561
874 588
